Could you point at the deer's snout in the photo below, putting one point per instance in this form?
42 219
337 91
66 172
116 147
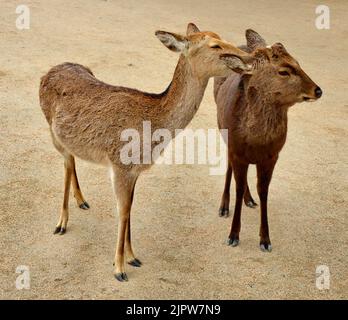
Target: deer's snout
318 92
311 90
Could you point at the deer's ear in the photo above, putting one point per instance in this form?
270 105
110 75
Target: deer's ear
278 50
172 41
191 29
254 40
236 64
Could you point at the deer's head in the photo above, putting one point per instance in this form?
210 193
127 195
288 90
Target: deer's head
277 74
203 51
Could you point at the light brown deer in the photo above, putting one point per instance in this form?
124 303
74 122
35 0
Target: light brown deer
254 109
87 116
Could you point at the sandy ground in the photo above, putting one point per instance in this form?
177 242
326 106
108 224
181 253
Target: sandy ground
176 231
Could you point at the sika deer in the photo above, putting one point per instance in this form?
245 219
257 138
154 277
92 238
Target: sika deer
87 116
254 110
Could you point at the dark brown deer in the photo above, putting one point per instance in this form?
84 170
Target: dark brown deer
254 107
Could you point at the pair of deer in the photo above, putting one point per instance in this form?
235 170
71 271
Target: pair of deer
254 87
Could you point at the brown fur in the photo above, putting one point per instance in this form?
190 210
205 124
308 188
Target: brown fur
86 117
254 110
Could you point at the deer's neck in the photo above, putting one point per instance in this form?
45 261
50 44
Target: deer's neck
181 100
263 118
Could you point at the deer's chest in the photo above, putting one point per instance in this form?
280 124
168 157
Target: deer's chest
255 150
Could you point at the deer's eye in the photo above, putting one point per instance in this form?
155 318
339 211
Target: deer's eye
284 73
215 46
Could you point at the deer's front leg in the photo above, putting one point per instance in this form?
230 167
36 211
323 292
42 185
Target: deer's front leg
240 175
124 186
264 176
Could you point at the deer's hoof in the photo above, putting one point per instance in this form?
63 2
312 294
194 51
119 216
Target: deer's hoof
135 263
266 247
84 205
223 212
121 276
234 242
59 230
251 204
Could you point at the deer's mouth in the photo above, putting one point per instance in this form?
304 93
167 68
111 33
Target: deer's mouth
308 99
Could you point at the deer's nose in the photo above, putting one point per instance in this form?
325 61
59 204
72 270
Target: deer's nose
318 92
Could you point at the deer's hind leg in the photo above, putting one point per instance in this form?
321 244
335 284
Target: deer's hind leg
81 202
248 199
69 177
225 200
64 215
131 259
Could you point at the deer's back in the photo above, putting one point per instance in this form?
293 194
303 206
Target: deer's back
87 115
